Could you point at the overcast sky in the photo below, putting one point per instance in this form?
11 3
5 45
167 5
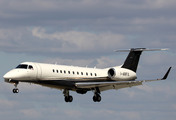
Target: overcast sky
86 32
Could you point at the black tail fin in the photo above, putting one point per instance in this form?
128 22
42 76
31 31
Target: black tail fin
132 60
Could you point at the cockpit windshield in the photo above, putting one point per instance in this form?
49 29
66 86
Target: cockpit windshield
22 66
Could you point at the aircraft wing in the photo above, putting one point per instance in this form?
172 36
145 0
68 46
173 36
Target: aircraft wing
115 84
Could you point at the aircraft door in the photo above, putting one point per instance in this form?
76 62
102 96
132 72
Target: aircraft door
39 71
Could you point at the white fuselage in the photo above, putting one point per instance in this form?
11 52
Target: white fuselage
31 71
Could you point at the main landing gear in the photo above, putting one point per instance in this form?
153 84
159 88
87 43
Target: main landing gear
68 98
97 97
15 90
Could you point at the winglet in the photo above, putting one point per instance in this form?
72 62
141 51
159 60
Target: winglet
165 76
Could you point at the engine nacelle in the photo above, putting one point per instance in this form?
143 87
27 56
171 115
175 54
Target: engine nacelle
121 74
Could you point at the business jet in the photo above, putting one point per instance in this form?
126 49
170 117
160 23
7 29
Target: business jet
81 79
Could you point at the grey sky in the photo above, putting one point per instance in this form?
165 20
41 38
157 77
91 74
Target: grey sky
85 32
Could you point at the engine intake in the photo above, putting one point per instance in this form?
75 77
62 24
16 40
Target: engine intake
111 73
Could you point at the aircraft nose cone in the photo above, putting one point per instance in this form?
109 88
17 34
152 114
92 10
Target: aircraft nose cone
10 75
7 76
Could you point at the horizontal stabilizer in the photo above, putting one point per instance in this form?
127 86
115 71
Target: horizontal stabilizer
140 49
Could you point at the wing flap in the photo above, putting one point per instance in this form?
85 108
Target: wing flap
118 86
103 84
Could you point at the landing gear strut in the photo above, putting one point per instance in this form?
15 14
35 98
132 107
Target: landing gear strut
15 90
68 98
97 97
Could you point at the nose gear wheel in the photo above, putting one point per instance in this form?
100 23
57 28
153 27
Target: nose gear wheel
15 90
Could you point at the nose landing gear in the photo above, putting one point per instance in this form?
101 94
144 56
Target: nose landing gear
15 90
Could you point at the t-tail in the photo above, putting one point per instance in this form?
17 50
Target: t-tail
133 57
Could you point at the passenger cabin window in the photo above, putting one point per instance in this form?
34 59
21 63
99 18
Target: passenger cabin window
81 73
68 72
53 70
60 71
95 74
73 72
22 66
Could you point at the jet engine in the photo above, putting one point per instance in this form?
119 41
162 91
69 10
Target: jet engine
121 74
111 73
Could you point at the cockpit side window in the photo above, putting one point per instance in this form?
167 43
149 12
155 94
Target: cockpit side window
30 67
22 66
